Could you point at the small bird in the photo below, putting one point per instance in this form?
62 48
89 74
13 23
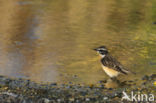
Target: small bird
109 64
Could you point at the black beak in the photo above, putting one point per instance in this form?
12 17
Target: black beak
95 49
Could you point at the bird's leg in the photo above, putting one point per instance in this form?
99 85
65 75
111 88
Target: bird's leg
113 78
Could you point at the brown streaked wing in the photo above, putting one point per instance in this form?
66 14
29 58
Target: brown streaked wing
112 63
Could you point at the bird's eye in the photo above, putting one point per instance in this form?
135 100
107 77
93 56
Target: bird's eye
100 51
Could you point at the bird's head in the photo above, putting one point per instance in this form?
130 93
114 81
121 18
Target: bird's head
102 51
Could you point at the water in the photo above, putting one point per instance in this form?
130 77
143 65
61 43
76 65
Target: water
52 41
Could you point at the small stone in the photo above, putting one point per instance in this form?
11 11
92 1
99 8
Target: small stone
102 81
58 100
110 88
91 86
68 86
75 76
53 84
102 86
87 99
19 43
77 101
154 22
145 77
46 100
144 83
71 99
105 98
70 82
153 76
115 94
130 81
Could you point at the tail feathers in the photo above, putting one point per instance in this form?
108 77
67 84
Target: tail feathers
127 71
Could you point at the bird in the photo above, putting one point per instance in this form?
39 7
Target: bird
110 65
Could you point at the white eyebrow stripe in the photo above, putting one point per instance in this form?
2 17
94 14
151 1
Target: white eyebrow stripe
102 49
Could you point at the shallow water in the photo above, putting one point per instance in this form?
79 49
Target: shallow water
52 41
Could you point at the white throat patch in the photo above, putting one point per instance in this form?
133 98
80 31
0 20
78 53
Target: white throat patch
102 55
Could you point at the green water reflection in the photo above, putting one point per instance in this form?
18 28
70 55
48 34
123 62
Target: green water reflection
52 41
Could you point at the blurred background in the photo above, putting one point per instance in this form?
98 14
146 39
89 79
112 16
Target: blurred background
52 40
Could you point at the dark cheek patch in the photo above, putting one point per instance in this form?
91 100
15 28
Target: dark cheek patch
103 52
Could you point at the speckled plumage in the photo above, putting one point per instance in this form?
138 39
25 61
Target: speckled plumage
112 63
109 64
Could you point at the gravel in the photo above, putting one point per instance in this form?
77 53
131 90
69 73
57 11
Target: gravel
26 91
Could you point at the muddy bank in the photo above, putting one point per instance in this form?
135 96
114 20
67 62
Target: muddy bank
26 91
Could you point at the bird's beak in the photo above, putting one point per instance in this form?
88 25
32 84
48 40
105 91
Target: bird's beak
95 49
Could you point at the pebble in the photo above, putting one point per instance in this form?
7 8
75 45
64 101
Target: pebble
145 77
102 81
102 86
65 93
87 99
74 76
71 99
105 98
53 84
58 100
46 100
110 88
154 23
153 76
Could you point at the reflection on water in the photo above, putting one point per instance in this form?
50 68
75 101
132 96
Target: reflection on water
52 41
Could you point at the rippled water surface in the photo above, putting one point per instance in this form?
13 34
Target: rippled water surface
52 40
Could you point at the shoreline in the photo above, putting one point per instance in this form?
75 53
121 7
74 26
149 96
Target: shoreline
26 91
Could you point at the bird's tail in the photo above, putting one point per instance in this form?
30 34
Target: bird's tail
128 72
